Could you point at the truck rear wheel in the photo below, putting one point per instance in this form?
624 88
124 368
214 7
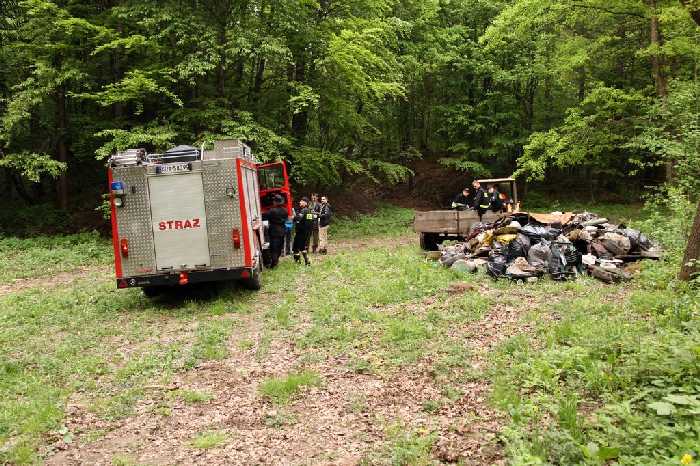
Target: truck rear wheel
429 241
254 282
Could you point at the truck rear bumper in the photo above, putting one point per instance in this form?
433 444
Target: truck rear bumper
176 279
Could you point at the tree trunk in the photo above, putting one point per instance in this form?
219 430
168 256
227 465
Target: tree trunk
690 266
62 148
221 66
300 119
257 84
692 251
657 61
658 64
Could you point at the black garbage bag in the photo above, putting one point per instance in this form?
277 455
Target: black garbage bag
525 241
638 241
540 255
538 232
496 266
517 248
564 261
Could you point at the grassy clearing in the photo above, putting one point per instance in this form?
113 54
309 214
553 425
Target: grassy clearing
42 256
106 344
368 305
608 372
281 390
386 221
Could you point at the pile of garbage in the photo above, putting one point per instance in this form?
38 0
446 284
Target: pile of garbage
525 246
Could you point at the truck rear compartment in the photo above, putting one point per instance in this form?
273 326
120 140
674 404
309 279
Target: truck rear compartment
181 222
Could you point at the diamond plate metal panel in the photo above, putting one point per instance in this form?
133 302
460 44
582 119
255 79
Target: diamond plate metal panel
134 221
223 212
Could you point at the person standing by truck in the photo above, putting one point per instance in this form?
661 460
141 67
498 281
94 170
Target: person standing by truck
495 201
463 200
303 224
288 228
481 199
315 208
277 217
324 219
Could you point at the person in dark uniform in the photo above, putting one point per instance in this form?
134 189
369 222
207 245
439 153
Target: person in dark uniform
495 201
481 199
464 200
276 217
303 225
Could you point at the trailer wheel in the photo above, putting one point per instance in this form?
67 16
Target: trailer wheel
429 241
255 280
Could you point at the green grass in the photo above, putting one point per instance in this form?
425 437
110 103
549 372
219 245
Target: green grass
624 358
386 221
42 256
64 341
194 396
281 390
405 447
210 439
603 374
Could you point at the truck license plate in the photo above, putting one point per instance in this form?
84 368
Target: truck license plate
174 167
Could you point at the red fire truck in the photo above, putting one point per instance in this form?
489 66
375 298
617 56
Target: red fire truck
190 215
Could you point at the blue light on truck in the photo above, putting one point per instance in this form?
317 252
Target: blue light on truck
117 186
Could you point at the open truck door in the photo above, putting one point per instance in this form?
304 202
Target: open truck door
274 181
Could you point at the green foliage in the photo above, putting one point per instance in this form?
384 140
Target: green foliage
32 166
42 256
592 136
157 136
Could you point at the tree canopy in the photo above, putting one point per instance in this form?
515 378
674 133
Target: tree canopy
354 88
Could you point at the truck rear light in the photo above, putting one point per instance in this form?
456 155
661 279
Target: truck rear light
122 283
124 247
184 278
236 237
245 274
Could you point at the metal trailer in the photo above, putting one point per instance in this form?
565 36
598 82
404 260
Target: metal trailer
186 216
436 226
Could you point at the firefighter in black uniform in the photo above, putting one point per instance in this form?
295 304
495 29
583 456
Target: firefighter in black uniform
463 200
495 201
481 199
303 225
277 216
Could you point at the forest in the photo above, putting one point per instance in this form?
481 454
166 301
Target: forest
602 94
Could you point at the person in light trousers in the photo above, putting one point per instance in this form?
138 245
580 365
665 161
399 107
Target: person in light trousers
324 220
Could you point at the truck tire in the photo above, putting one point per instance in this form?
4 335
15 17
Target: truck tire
255 280
429 241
